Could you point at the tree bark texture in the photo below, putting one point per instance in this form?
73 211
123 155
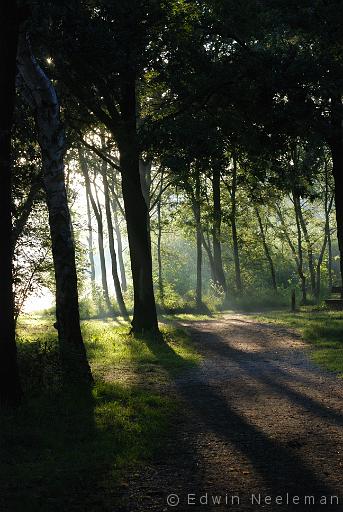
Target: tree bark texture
52 144
136 212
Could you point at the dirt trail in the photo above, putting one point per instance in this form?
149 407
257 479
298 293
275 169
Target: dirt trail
258 419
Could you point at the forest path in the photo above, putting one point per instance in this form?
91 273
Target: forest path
258 419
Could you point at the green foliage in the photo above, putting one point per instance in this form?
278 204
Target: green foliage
264 299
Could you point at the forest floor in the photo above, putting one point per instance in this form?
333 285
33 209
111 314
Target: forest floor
257 419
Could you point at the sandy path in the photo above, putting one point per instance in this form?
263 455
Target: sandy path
258 419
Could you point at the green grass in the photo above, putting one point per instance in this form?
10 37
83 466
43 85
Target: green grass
323 329
71 450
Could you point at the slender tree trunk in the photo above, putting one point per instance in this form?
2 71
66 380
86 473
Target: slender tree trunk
300 253
207 247
205 243
294 252
233 215
328 207
114 267
336 146
52 143
308 245
216 231
10 389
318 268
159 241
119 242
90 241
329 256
98 215
266 249
327 238
136 210
197 214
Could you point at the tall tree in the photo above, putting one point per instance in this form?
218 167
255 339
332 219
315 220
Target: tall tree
233 219
90 240
197 215
111 67
100 225
110 232
51 140
267 251
216 231
117 208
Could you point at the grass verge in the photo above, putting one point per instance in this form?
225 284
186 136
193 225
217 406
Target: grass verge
323 329
71 451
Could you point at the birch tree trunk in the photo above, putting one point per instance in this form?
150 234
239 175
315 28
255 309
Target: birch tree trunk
10 389
52 144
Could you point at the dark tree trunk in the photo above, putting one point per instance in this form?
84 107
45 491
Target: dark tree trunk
233 216
98 216
114 267
51 141
136 211
300 252
336 146
10 389
199 235
266 249
216 231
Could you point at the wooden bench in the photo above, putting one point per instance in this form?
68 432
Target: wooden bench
335 303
